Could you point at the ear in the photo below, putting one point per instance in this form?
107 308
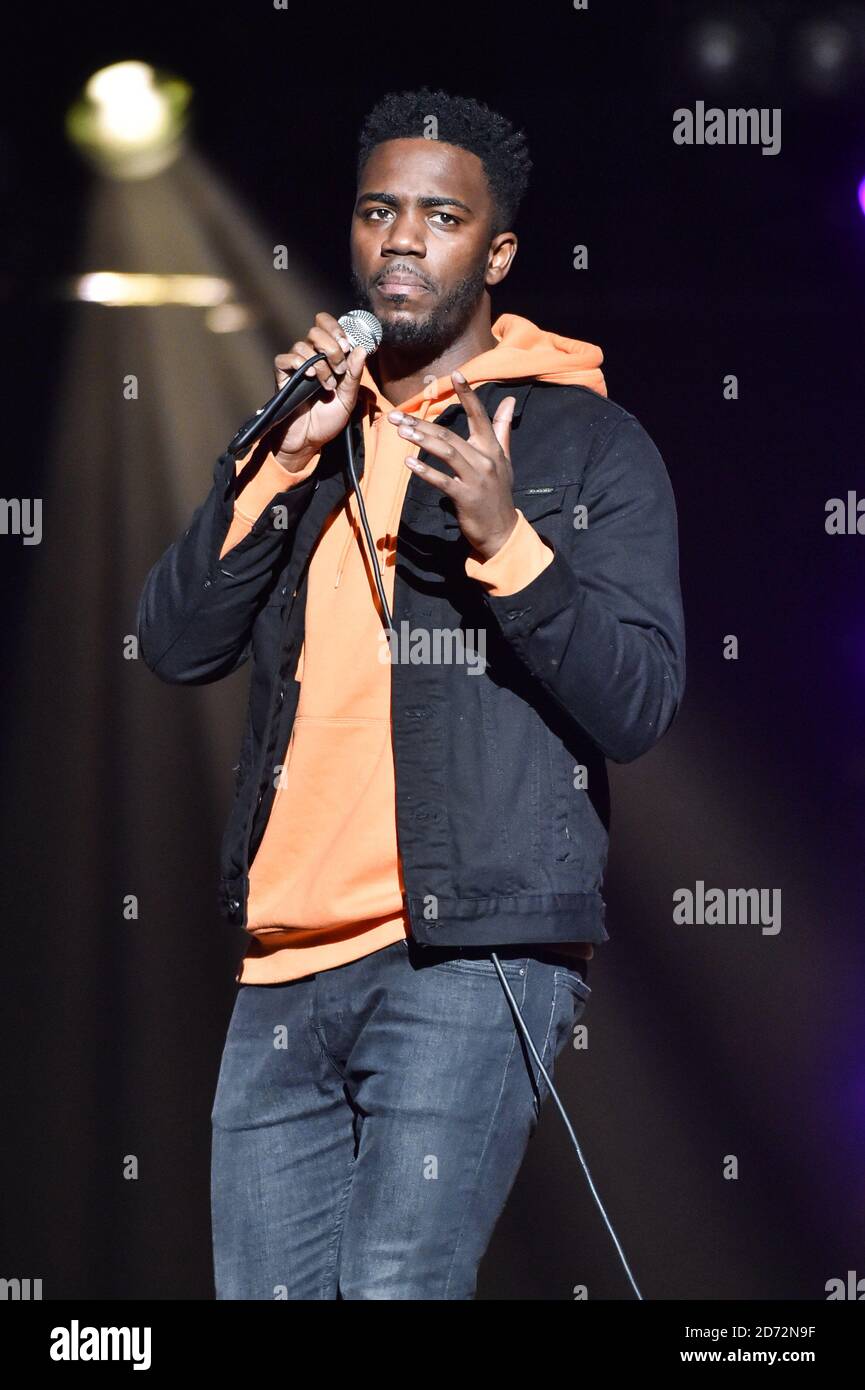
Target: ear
503 249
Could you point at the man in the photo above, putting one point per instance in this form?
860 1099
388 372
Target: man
405 807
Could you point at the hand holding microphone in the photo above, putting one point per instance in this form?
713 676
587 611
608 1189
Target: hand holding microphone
321 402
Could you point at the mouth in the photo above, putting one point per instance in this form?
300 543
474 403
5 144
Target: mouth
403 285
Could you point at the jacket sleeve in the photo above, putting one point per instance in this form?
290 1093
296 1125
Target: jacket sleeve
602 626
516 563
198 605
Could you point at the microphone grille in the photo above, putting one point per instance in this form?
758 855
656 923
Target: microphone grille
362 329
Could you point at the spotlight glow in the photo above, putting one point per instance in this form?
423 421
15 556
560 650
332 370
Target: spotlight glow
129 108
122 289
827 56
717 46
129 120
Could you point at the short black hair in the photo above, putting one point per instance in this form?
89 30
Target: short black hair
502 149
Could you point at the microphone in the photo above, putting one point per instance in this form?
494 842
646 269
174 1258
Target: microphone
362 330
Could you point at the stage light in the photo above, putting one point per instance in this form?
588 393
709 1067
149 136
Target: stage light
129 121
862 196
115 288
130 111
724 51
826 55
122 289
716 46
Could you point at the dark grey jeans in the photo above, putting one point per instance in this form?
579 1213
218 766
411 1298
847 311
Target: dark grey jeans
370 1120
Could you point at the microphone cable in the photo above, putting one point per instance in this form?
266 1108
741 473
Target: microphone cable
349 448
520 1021
521 1024
253 430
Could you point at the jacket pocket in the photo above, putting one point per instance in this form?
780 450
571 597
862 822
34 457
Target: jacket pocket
535 501
540 499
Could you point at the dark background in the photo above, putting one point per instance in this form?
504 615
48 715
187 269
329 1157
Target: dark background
705 1041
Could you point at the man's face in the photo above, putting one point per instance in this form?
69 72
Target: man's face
420 240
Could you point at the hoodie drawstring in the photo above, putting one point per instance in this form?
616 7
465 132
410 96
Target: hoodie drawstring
370 442
369 434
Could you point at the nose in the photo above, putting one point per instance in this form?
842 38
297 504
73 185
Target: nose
404 236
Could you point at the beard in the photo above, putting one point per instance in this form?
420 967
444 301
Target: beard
424 337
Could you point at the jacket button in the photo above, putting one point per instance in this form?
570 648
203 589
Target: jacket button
281 693
233 904
284 590
207 583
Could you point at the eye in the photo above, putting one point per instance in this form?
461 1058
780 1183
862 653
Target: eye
367 216
454 220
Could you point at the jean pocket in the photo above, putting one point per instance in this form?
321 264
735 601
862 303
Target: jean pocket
570 978
475 963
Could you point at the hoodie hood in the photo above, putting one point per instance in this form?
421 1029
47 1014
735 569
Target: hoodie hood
523 350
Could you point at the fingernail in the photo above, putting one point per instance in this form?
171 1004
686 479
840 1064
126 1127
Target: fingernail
458 376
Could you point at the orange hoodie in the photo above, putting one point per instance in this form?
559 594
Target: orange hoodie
325 886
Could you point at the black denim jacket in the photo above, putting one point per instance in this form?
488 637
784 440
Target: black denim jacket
502 801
